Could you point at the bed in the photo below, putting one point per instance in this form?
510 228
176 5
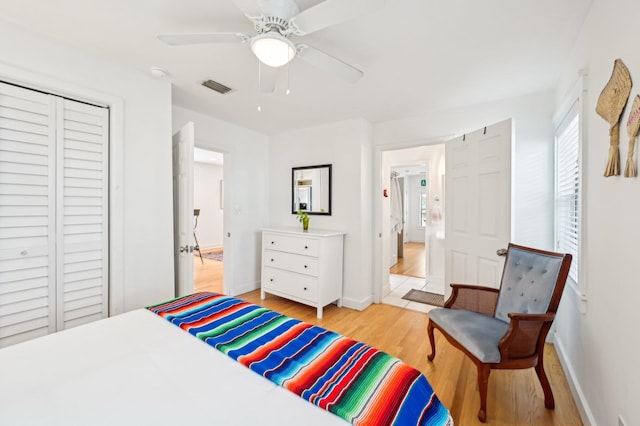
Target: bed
148 367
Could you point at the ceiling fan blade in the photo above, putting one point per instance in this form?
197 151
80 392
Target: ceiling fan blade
203 38
328 63
332 12
248 7
268 78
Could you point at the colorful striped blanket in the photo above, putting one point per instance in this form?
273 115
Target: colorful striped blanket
348 378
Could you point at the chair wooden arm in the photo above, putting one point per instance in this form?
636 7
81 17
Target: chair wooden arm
473 298
525 333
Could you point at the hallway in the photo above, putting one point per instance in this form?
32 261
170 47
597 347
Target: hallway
407 274
413 261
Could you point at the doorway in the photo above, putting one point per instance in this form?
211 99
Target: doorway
416 237
208 194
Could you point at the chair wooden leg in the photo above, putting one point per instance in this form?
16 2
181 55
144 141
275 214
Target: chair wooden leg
546 387
483 384
432 341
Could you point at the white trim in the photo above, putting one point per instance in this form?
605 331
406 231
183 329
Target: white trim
43 82
359 305
116 207
244 287
578 395
581 298
576 99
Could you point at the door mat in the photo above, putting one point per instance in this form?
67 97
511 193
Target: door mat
424 297
216 255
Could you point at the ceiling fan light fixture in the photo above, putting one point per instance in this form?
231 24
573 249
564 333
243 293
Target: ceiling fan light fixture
273 49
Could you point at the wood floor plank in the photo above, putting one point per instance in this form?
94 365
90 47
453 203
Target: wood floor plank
208 274
413 261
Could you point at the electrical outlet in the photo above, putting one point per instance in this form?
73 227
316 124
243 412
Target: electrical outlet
621 422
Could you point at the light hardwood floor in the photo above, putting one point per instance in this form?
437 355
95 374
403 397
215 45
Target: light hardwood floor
412 262
208 274
515 397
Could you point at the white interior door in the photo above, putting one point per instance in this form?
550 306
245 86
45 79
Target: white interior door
477 205
27 214
183 143
82 219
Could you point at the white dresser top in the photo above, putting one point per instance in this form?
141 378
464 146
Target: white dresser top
311 232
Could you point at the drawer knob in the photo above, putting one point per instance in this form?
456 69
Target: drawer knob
305 289
305 266
273 242
271 279
306 247
272 260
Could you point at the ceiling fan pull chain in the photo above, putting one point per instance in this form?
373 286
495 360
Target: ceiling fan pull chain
288 65
259 84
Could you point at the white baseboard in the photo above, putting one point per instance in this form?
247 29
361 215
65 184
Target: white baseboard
578 395
245 288
359 305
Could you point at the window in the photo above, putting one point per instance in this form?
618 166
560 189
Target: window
567 188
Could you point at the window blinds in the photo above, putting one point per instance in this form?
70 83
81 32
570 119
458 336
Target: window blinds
568 189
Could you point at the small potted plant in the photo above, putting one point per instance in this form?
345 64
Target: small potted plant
303 217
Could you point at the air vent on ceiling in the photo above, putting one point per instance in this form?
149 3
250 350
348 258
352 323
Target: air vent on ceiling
218 87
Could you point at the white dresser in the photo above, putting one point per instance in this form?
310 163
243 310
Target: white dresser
303 266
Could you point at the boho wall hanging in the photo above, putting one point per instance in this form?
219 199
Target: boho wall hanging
633 125
610 106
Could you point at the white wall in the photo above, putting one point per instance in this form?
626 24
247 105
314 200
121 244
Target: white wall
347 146
206 197
141 227
600 348
246 193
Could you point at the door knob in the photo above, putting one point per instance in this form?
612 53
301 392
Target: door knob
501 252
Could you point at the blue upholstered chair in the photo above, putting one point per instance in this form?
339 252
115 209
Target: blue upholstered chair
506 328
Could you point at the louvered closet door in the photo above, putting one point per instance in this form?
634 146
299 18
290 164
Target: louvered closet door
82 213
53 214
27 214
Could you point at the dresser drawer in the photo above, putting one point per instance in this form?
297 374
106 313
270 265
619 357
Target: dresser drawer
290 283
290 244
291 262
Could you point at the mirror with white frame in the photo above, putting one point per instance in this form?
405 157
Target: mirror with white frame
311 189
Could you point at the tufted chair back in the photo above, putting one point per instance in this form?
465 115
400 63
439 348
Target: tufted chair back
528 283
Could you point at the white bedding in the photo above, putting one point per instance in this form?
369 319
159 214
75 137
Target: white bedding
138 369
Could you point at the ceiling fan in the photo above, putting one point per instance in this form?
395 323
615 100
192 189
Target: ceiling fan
275 22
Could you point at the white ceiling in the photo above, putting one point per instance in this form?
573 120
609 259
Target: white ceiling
417 55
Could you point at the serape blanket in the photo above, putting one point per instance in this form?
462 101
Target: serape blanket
348 378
